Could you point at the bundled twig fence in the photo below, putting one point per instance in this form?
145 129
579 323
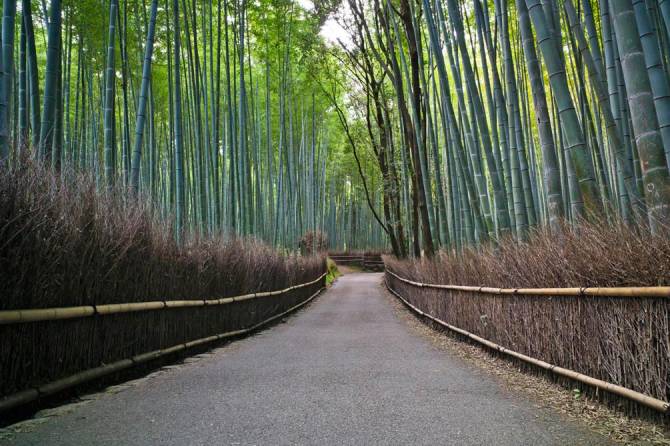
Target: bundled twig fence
103 280
614 339
44 350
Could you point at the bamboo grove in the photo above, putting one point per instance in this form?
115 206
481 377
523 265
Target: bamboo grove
436 124
490 118
205 108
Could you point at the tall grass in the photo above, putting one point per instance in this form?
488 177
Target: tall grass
62 243
590 254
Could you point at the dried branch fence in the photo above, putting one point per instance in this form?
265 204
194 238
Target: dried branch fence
43 351
613 339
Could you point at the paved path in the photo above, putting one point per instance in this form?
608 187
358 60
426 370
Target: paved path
345 370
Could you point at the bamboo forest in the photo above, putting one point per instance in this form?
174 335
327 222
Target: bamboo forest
428 126
480 154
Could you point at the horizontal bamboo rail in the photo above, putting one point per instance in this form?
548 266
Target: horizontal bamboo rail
650 291
52 314
29 395
641 398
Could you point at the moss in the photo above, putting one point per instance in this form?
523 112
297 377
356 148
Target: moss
333 272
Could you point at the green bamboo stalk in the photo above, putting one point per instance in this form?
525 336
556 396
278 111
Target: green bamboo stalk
33 77
144 91
110 81
574 137
178 138
550 163
47 126
6 76
658 78
645 124
22 140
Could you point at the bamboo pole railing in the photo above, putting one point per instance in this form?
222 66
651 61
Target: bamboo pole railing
32 394
649 291
638 397
51 314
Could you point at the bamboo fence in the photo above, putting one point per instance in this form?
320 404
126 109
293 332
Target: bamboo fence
652 291
623 292
55 314
51 314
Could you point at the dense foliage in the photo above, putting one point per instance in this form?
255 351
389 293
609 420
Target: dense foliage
488 118
423 125
212 110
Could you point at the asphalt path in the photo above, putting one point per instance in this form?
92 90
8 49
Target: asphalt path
345 370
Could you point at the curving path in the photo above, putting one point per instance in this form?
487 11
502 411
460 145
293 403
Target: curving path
345 370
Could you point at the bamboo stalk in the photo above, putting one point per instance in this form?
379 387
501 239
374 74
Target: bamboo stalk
45 314
651 291
624 392
51 314
28 395
184 303
127 307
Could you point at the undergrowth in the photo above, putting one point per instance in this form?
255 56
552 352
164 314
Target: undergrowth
589 254
333 272
62 243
